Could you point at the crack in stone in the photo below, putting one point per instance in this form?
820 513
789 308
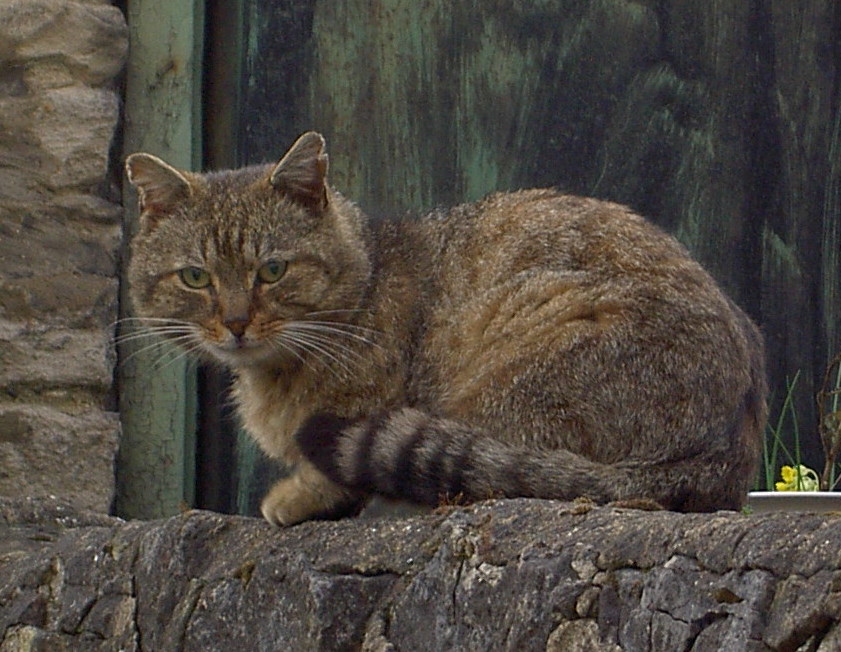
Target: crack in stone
454 591
194 592
132 569
696 627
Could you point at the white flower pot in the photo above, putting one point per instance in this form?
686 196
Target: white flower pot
819 502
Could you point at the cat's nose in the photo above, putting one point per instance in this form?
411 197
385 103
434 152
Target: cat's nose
237 327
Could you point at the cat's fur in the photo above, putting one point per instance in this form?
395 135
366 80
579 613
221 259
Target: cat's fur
530 344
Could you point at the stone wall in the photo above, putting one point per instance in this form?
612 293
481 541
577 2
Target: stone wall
59 239
503 575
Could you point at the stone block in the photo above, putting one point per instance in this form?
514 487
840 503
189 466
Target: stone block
75 126
55 360
48 452
63 42
57 272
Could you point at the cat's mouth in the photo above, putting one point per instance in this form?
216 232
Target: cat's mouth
240 344
238 351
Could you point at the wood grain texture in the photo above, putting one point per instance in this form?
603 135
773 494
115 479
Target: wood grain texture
157 392
720 121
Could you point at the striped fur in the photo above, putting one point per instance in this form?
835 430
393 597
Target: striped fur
530 344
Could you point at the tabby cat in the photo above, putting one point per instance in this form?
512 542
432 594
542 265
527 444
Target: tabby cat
530 344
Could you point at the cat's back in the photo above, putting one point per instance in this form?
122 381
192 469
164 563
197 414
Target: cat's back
552 294
513 238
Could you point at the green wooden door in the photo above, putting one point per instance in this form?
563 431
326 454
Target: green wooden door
720 121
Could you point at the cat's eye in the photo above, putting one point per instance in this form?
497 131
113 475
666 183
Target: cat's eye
194 277
271 272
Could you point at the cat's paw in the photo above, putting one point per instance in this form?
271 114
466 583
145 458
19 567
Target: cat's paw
307 495
318 440
281 507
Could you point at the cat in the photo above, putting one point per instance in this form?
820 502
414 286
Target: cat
532 344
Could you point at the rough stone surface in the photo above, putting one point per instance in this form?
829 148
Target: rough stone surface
502 575
59 236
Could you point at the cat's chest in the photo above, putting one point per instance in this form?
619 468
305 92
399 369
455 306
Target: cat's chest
272 410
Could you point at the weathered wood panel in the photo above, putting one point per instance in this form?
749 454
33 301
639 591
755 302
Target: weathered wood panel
157 395
719 120
803 313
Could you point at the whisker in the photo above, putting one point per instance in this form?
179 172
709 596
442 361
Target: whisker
333 322
158 332
336 311
318 348
279 344
328 342
144 350
148 322
137 326
175 355
298 349
169 320
169 346
332 327
339 325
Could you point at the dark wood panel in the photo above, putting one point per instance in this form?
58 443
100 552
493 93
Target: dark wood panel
720 121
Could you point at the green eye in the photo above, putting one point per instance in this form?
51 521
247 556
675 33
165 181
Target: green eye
194 277
272 271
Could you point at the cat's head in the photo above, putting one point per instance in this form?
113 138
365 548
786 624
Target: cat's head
242 265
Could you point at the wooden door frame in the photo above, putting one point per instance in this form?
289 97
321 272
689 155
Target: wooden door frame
156 461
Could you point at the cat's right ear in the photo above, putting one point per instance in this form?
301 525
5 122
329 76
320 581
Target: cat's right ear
302 172
159 185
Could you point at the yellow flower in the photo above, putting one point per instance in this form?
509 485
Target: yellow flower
799 478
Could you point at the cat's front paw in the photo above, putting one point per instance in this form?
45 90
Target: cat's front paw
305 495
285 505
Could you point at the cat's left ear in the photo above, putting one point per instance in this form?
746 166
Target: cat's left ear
159 185
302 172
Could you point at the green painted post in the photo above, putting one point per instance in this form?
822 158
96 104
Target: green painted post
155 466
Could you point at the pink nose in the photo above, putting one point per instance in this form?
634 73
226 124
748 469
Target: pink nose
237 326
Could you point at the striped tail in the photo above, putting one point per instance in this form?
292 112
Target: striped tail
411 455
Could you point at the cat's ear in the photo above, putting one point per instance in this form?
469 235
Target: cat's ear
302 172
159 185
